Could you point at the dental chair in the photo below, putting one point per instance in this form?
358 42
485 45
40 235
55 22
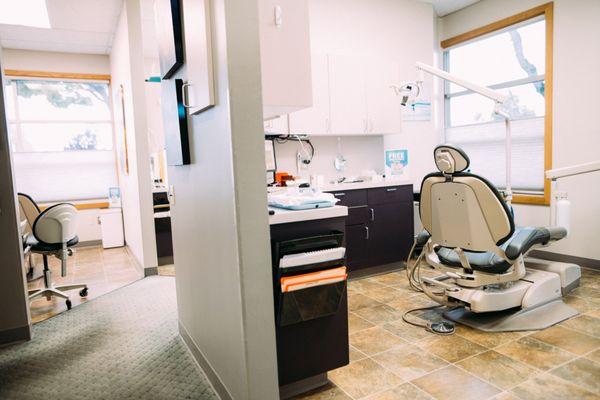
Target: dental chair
52 233
478 255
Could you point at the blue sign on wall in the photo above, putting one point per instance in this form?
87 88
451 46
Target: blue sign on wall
396 161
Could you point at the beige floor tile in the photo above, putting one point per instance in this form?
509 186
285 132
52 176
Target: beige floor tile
586 292
568 339
452 383
594 356
89 266
406 331
379 314
394 278
535 353
487 339
405 391
357 323
356 355
548 387
407 303
385 294
581 372
451 348
409 362
363 378
359 300
327 392
364 285
583 305
374 340
498 369
505 396
584 323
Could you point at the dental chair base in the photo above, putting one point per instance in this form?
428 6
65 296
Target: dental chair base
532 303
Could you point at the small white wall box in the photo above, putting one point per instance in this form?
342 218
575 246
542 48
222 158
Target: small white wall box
111 221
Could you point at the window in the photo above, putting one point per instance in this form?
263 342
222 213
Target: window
512 56
61 138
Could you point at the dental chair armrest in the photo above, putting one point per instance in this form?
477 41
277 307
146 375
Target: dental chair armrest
557 232
422 238
526 237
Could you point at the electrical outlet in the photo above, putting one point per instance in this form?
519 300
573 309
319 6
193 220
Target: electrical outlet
171 195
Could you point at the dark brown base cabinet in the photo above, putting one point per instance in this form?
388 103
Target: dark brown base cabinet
379 226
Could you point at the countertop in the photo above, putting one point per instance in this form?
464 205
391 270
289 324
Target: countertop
333 187
282 216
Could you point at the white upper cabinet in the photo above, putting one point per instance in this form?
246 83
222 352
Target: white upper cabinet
383 106
315 119
351 96
285 56
277 126
347 94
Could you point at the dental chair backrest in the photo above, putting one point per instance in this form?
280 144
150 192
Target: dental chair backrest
460 209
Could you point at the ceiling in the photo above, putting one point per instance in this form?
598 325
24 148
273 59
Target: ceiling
88 26
78 26
445 7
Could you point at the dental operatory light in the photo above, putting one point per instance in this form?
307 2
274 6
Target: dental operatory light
409 93
32 13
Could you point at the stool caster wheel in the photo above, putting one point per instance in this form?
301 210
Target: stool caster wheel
83 292
69 305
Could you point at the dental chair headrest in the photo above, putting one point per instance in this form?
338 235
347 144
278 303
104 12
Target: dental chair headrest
450 159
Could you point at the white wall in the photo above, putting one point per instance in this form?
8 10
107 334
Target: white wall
361 153
576 136
56 62
399 30
219 219
127 69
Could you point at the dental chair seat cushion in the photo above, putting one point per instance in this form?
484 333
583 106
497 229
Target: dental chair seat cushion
521 241
36 245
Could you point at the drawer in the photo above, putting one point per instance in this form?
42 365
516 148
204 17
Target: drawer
351 198
390 194
357 215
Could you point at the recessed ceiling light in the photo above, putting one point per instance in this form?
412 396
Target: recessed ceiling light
24 12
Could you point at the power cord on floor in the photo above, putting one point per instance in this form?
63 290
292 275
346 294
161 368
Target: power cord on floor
412 273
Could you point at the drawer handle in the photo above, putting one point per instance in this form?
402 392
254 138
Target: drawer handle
366 232
372 214
340 194
392 189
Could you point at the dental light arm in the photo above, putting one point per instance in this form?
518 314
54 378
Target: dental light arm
560 214
558 173
499 99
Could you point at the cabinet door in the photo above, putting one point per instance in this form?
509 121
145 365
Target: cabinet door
347 95
391 232
198 57
383 106
285 56
278 125
315 119
357 252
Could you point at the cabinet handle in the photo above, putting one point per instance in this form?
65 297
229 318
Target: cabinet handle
366 232
339 194
184 94
392 189
372 214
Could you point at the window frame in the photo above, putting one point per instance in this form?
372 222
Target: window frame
72 76
547 11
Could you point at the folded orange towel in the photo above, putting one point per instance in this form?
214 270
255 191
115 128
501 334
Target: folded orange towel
297 282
